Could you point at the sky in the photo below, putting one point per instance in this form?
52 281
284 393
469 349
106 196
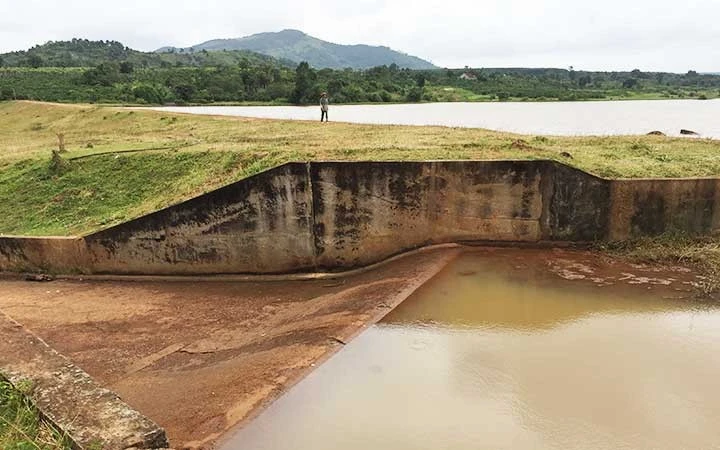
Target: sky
650 35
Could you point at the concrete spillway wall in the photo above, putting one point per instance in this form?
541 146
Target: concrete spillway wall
342 215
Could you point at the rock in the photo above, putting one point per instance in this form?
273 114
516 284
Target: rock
689 132
520 144
656 133
566 155
39 277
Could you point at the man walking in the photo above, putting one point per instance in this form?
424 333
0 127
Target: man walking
324 103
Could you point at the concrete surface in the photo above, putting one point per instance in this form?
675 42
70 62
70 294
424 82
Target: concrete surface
92 416
202 357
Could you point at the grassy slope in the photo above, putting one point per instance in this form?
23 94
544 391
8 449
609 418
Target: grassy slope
21 427
207 152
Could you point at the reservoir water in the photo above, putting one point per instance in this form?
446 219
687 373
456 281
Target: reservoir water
489 357
546 118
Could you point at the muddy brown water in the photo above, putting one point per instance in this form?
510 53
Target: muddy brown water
488 357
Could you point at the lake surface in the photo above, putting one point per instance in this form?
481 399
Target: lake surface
483 359
547 118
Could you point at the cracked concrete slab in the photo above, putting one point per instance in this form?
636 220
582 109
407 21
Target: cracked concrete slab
91 415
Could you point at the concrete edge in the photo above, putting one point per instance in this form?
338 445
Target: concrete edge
432 269
304 276
91 416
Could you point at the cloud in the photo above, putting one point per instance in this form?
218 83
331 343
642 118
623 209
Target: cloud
612 34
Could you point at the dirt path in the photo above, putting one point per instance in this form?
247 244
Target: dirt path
200 357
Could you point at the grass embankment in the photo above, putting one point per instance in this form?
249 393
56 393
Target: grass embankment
21 427
186 155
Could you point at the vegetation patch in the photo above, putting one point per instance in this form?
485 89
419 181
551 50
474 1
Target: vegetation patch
21 427
68 197
700 253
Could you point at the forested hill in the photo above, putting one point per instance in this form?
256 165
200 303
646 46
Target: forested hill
85 53
297 46
108 72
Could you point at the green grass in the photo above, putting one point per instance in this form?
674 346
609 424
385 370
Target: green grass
183 156
89 194
21 427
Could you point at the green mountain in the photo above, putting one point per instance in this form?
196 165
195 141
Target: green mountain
85 53
297 46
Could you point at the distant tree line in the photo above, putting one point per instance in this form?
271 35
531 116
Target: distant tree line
108 72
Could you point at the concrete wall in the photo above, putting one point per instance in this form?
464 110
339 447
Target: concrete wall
341 215
51 254
365 212
651 207
262 224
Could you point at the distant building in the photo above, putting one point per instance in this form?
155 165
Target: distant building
468 76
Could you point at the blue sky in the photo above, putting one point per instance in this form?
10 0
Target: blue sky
599 35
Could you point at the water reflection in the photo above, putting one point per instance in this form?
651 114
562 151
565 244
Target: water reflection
491 293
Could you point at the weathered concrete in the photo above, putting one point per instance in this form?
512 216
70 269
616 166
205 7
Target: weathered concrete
651 207
261 224
92 416
42 254
343 215
578 205
367 211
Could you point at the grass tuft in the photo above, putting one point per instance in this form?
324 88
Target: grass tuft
21 427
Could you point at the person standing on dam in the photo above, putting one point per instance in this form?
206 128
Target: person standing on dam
324 106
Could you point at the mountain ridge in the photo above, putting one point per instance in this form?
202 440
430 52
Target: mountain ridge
87 53
297 46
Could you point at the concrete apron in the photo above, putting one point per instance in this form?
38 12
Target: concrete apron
92 415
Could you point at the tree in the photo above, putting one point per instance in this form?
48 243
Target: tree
305 78
630 83
35 61
335 86
7 93
184 92
415 94
151 93
105 74
126 67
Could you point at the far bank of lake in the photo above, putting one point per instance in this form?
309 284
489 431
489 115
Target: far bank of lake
600 118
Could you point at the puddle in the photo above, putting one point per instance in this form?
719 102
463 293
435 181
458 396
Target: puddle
509 354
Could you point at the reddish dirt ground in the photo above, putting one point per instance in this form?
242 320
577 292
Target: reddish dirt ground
201 357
